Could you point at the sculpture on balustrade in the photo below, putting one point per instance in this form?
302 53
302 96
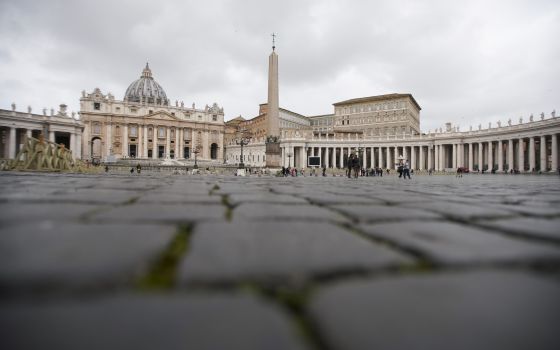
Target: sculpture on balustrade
470 129
490 125
542 115
520 120
499 123
531 117
479 126
509 121
553 114
38 154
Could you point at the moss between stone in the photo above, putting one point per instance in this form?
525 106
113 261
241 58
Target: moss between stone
294 301
162 274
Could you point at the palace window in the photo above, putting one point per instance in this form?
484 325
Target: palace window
132 110
97 106
172 133
150 133
150 111
96 129
214 117
133 131
161 132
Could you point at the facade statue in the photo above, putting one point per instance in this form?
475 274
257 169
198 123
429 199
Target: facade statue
509 121
520 120
499 123
13 106
542 115
531 117
553 114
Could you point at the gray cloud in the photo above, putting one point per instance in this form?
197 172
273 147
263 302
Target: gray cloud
467 63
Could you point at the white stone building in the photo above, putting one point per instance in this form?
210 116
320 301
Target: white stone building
58 127
384 128
146 125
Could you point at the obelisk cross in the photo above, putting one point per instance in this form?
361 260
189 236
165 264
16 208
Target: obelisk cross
273 41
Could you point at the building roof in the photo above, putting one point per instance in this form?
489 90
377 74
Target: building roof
377 98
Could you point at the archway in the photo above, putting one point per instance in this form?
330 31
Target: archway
96 148
214 151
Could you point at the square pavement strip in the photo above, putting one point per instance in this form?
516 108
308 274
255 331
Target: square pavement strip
450 243
77 255
151 322
474 310
279 251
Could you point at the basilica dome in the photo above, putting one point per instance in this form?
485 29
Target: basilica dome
146 89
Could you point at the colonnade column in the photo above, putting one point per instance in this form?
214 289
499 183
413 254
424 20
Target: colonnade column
490 156
436 157
531 154
413 157
510 154
73 144
471 157
554 146
521 154
442 157
421 155
380 156
12 145
454 157
372 157
429 150
500 156
79 145
388 160
543 166
341 157
480 160
51 136
394 165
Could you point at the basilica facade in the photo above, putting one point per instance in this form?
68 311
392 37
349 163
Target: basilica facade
146 125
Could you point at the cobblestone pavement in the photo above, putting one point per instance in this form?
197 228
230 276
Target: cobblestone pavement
210 262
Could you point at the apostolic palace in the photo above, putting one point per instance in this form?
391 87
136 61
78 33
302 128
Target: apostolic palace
146 126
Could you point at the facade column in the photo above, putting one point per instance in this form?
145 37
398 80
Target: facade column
394 165
125 141
510 154
372 157
500 156
421 156
554 146
521 155
177 138
531 154
388 157
490 156
155 142
462 155
145 131
380 157
321 158
333 157
167 142
544 166
51 136
12 144
471 157
413 157
108 139
480 160
405 154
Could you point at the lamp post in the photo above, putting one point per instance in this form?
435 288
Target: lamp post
242 141
360 151
290 154
196 151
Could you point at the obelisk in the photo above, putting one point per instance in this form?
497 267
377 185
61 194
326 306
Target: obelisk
273 153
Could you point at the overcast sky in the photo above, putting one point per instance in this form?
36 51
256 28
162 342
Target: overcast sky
466 62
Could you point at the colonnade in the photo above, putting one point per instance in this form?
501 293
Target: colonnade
14 137
532 153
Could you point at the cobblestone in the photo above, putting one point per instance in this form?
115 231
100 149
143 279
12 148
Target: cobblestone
119 261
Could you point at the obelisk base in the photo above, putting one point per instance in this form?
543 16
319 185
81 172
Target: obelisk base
273 154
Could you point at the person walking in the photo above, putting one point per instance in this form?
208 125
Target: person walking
406 170
356 166
350 164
